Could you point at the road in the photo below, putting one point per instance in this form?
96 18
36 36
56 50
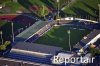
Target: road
14 62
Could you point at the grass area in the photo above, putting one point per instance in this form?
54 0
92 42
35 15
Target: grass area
12 6
83 8
58 36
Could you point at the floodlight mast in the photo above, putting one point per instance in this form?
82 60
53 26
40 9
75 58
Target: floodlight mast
1 36
58 8
43 12
69 39
12 32
99 12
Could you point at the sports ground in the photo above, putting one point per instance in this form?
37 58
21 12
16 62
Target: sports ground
58 36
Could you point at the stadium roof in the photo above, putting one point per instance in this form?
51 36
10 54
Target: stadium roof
26 34
93 34
87 39
31 48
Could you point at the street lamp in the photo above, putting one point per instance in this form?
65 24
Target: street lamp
12 32
43 12
58 7
99 12
69 39
1 37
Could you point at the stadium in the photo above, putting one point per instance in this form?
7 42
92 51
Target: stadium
58 35
40 29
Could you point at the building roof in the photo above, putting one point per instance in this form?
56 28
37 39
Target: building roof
29 32
87 39
90 36
65 55
36 47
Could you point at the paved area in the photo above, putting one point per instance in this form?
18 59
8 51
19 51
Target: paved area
14 62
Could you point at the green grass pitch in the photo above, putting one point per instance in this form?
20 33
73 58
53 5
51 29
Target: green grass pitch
59 37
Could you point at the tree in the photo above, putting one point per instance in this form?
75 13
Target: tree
94 51
43 11
4 46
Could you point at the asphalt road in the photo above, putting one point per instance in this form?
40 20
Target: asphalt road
13 62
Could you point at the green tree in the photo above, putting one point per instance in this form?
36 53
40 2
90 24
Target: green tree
43 11
94 51
4 46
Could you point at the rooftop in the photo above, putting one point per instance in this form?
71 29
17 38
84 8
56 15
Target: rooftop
29 32
32 47
87 39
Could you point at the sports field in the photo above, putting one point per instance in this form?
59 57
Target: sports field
58 36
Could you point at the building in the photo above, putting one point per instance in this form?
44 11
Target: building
89 39
33 49
62 56
33 52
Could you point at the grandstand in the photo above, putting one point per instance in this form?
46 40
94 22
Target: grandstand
88 38
58 35
36 50
29 32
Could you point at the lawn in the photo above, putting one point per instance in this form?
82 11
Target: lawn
12 7
85 8
58 36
